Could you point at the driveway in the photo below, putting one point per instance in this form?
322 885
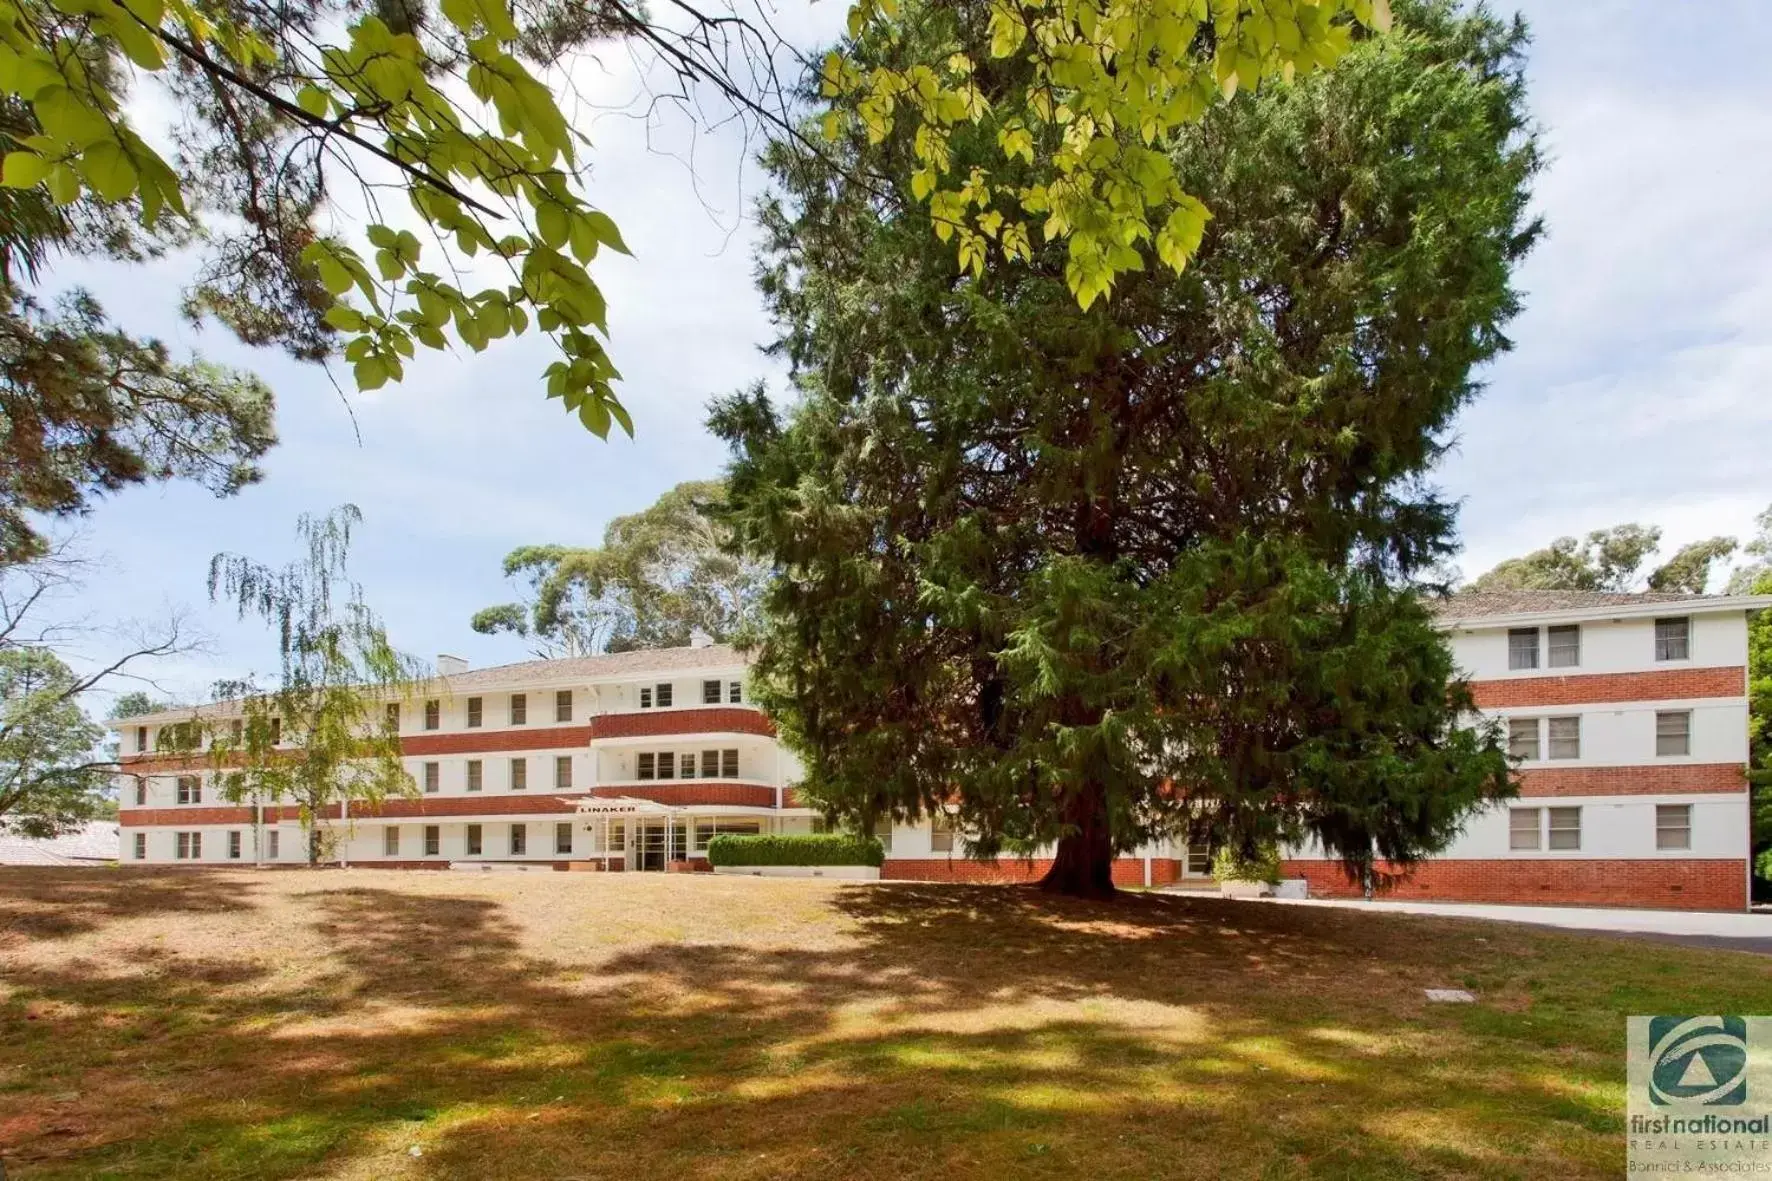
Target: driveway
1734 930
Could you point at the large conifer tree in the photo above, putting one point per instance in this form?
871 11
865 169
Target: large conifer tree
1101 576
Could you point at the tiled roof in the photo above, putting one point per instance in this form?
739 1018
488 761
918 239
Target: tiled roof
1472 604
596 668
92 843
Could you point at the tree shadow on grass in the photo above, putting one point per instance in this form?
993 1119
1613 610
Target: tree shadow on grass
60 903
950 1030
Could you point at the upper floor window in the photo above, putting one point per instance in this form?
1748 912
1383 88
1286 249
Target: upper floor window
1522 647
563 771
686 766
141 738
1522 738
276 731
646 697
1565 646
1565 737
1673 826
563 705
433 777
393 717
141 792
645 765
728 764
1565 828
735 692
190 789
661 696
433 714
1673 639
667 765
237 731
710 692
519 774
476 774
519 708
475 711
1673 732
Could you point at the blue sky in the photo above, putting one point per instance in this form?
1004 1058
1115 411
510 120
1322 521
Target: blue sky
1637 389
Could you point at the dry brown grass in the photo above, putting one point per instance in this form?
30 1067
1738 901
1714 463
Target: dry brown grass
321 1025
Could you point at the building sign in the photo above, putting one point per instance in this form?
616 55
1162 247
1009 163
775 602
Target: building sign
1699 1096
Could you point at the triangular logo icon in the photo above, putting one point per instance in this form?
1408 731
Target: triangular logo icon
1697 1074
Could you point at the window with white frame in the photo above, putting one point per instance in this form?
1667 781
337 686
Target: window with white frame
1673 732
1522 647
563 771
1673 826
433 714
707 829
273 842
710 764
1522 738
190 789
237 731
390 841
474 840
563 705
519 840
476 712
661 695
618 837
188 846
519 709
710 692
667 765
1564 828
941 833
735 692
1564 648
1523 826
234 844
1673 639
141 792
433 777
433 839
686 765
476 775
141 738
519 774
563 837
1565 737
141 846
729 764
646 697
883 831
645 765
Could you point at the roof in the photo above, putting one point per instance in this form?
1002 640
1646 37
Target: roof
93 842
560 671
1496 605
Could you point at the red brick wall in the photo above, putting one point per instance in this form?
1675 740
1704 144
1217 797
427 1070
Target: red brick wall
747 795
467 742
1684 884
399 808
713 719
1593 688
1719 778
1128 871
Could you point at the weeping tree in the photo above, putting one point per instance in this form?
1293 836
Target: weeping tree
319 738
1091 577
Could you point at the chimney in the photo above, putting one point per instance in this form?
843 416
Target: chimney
450 666
700 639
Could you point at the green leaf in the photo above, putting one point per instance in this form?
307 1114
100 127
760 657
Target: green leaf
603 229
344 318
551 223
23 170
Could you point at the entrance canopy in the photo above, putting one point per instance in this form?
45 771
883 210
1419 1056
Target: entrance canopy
625 806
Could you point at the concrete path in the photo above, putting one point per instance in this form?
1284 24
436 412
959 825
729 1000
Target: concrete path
1734 931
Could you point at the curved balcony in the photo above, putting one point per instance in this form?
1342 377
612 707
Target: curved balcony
656 723
719 793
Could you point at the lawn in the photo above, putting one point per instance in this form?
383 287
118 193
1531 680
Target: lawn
327 1025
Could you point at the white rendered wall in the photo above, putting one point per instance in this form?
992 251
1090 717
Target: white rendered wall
1716 640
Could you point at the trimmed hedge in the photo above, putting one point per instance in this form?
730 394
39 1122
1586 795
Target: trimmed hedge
796 849
1227 866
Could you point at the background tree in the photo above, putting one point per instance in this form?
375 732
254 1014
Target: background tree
1100 576
1689 570
51 777
659 575
319 737
1612 560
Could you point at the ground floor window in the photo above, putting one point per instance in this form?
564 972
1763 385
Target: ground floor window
519 839
234 844
1523 828
141 846
618 838
390 841
563 837
189 846
941 833
707 828
882 829
1673 826
272 843
1565 828
1199 860
473 840
433 840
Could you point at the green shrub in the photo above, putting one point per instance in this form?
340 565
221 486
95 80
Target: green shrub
796 849
1228 866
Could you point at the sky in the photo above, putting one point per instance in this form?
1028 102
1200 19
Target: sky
1635 390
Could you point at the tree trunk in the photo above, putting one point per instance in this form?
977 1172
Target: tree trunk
1083 866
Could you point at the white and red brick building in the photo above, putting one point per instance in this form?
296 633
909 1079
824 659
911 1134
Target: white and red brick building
1628 713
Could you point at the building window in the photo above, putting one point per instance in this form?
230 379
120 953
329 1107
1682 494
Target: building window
563 837
710 764
237 731
1522 738
706 830
519 840
519 774
1523 828
563 771
563 705
645 765
710 692
141 792
276 731
141 846
1565 737
433 777
473 840
519 708
476 712
883 830
1199 861
190 789
686 767
390 841
190 846
662 695
1565 828
1673 732
735 692
1673 826
394 717
1522 647
272 843
475 775
1673 639
433 840
234 844
646 698
618 837
141 738
667 765
1565 646
729 764
941 833
433 714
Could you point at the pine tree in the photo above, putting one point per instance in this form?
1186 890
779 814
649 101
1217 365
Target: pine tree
1148 569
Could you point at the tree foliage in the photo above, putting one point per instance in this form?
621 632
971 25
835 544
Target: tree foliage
318 738
50 778
659 575
1612 560
1102 575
